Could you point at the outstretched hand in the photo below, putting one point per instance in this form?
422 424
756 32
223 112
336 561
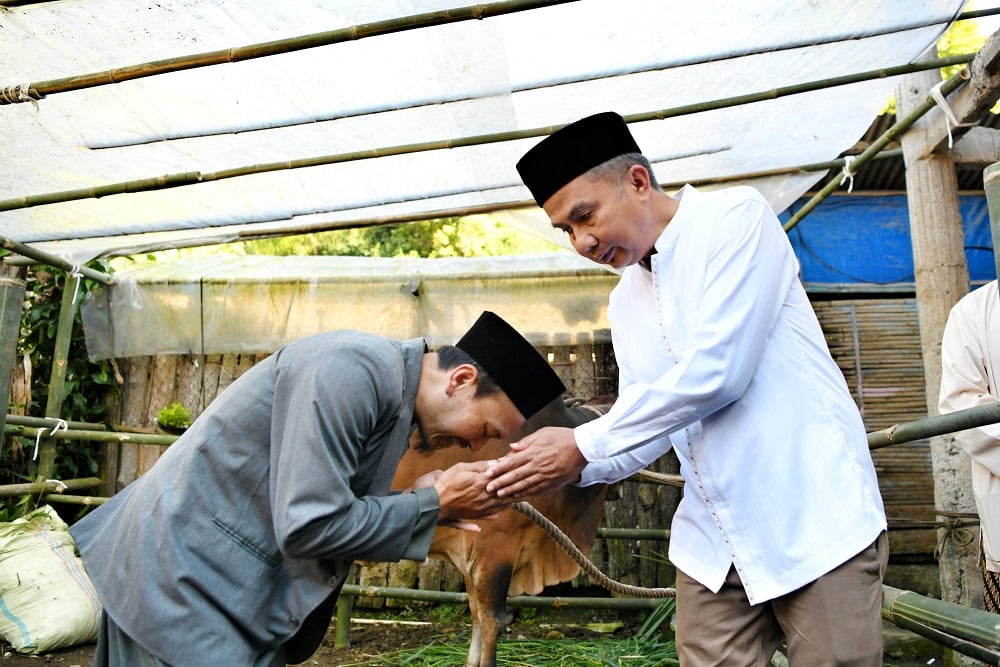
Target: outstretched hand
462 496
544 461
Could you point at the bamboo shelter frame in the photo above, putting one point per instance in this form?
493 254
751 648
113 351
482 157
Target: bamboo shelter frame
51 489
38 90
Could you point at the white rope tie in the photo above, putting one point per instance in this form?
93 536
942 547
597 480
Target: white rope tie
75 273
940 100
61 425
847 174
19 93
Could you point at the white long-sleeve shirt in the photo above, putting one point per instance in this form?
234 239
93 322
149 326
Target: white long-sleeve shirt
722 357
970 361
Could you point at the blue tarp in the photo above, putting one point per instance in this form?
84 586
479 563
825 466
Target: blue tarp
862 239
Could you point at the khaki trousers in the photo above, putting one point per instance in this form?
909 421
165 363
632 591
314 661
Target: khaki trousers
834 621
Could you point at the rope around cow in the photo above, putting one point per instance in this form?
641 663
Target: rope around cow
563 540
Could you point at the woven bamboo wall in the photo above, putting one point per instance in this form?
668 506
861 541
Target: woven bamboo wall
875 342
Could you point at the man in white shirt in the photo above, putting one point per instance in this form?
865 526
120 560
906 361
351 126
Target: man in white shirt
781 531
970 361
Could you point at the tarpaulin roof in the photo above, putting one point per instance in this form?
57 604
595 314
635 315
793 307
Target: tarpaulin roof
413 122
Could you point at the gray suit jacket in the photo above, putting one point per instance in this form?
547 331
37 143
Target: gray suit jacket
251 519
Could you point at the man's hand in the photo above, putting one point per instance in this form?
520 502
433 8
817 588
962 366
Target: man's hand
544 461
462 495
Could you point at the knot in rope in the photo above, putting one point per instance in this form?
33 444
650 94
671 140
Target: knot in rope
21 92
954 527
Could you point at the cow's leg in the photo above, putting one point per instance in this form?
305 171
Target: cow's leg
476 641
491 593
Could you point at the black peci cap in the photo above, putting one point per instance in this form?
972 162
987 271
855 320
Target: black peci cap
514 364
574 150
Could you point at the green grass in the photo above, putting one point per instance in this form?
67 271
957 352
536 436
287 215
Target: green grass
533 652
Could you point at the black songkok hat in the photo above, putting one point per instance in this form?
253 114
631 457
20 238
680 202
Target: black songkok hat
514 364
574 150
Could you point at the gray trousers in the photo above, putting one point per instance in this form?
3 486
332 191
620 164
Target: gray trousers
835 621
116 649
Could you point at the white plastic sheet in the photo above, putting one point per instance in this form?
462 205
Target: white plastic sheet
522 71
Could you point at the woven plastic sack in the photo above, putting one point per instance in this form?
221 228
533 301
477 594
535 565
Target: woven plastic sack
46 598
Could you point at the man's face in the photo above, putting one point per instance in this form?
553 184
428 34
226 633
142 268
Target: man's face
464 420
605 224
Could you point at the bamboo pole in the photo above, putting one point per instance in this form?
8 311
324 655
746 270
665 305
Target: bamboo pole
39 89
885 72
73 500
95 436
964 623
54 260
981 415
57 379
51 422
949 86
515 601
167 181
991 184
11 302
51 486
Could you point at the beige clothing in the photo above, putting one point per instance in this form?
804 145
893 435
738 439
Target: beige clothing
970 361
724 630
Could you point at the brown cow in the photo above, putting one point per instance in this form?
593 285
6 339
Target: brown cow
510 555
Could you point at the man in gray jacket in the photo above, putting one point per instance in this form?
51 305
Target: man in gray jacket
233 547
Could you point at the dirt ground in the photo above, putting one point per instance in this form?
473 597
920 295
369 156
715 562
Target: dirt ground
379 633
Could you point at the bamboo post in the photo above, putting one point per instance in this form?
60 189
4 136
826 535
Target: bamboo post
57 381
345 605
992 187
11 302
942 277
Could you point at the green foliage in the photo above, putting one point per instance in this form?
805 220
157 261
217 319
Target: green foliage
445 237
86 385
174 416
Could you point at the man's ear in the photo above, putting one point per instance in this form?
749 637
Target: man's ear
638 178
461 376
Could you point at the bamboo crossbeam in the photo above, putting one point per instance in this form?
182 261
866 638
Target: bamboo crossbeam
634 534
51 486
94 436
773 93
965 624
190 178
949 86
39 89
74 500
981 415
54 260
515 601
51 422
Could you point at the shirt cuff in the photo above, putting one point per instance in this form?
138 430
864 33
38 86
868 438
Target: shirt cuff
428 509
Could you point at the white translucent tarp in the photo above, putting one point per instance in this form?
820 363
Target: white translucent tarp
522 71
214 305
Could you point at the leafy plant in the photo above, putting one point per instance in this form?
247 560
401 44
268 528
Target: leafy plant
86 388
174 416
